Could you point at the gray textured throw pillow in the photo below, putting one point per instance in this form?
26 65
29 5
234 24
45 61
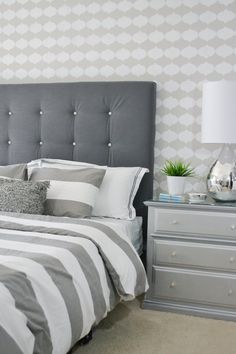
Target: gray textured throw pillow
23 196
14 171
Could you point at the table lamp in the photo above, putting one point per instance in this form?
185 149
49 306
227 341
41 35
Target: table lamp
219 126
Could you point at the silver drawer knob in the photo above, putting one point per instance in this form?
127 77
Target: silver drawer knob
172 284
232 259
174 222
233 227
173 254
230 292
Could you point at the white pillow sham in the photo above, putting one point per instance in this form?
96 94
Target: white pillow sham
117 191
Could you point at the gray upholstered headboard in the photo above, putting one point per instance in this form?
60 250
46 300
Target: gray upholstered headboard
108 123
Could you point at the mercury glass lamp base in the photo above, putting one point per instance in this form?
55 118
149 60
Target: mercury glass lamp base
221 180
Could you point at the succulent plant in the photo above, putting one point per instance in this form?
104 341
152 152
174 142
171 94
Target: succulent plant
177 168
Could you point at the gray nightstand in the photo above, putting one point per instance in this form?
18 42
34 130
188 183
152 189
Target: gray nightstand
191 258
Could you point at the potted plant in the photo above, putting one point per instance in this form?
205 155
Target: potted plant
176 172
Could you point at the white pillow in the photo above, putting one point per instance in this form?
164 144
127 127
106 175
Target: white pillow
117 191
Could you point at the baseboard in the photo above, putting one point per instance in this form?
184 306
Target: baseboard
190 309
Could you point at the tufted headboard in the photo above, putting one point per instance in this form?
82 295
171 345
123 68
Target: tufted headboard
108 123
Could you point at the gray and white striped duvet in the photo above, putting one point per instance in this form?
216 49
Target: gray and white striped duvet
58 278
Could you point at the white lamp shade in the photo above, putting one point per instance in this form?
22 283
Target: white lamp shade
219 112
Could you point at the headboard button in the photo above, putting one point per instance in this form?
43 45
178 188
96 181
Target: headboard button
9 142
9 113
75 113
40 112
109 145
40 143
109 113
74 143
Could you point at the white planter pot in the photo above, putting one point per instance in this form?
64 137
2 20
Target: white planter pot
176 184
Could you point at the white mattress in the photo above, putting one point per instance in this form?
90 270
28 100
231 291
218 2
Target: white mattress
131 228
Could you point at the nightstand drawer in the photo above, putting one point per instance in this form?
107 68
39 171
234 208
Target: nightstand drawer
194 286
189 221
194 254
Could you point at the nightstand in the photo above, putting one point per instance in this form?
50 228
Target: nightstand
191 258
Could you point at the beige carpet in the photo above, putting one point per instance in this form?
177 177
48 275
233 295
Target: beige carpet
131 330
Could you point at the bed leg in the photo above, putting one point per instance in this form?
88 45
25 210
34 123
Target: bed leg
87 338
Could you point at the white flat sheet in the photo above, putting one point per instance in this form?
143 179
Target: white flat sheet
131 228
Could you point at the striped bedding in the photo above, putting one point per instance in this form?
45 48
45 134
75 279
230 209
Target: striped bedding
58 278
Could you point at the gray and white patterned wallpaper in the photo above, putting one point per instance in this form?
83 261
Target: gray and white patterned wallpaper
177 43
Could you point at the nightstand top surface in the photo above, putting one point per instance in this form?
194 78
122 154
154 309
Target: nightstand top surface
209 204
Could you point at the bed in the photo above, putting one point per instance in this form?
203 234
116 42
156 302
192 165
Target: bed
60 276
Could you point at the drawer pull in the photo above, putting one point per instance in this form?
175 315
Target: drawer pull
233 227
232 259
174 222
173 254
230 292
172 284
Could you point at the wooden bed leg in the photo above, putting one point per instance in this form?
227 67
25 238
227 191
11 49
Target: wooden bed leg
87 338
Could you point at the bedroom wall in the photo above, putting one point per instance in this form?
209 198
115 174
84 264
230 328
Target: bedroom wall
178 43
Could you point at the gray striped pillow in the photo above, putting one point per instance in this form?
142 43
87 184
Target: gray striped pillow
72 192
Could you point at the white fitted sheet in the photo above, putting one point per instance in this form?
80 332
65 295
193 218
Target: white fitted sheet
131 228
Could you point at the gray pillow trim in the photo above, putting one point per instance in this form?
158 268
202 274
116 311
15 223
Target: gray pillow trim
132 192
